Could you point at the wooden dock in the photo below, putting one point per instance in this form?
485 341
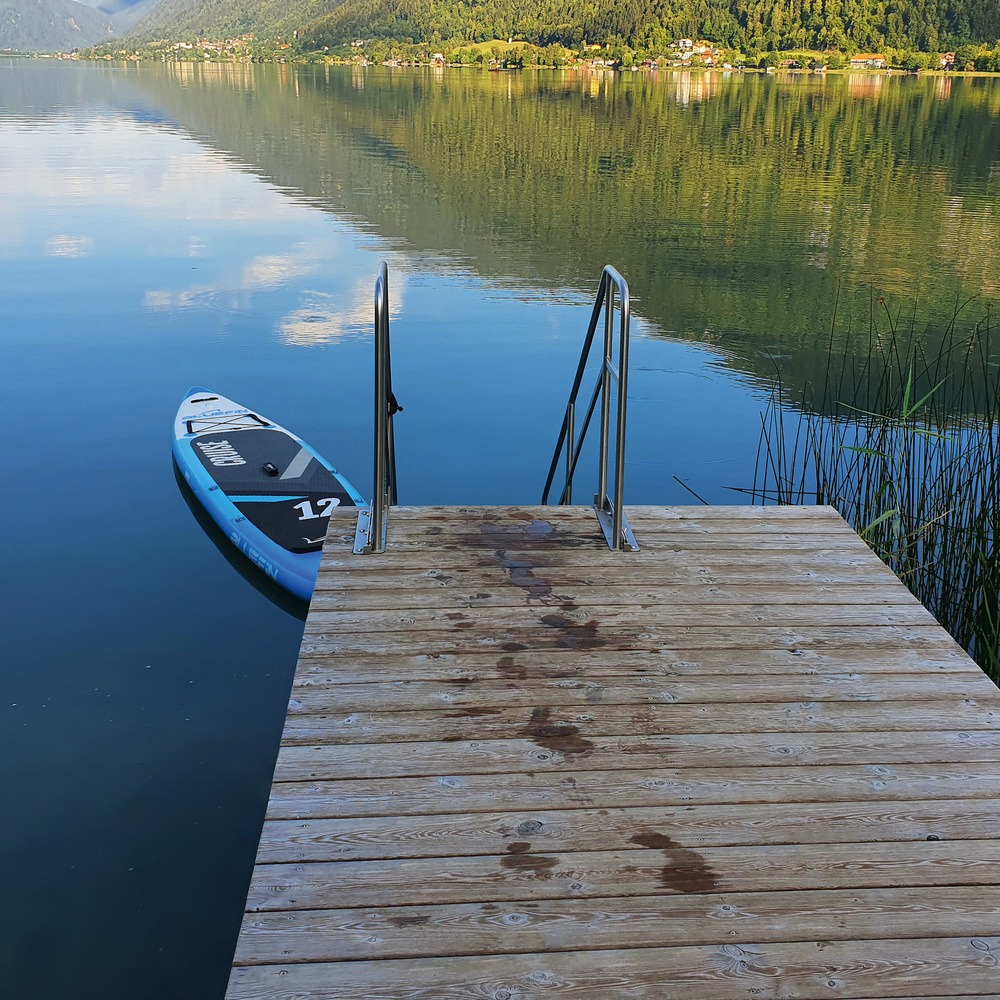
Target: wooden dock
741 762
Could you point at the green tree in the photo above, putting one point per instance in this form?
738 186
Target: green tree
965 57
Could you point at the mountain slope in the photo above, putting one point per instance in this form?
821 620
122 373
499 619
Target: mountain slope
50 25
125 14
228 18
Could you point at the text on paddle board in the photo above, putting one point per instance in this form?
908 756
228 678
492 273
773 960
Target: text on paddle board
221 453
326 505
254 556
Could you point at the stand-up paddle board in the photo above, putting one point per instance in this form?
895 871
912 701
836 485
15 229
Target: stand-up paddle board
266 488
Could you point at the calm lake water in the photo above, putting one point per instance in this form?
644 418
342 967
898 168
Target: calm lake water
216 225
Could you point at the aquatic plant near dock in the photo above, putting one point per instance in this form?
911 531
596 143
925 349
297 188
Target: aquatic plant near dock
903 441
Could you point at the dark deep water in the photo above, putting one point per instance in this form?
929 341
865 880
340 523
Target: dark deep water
222 226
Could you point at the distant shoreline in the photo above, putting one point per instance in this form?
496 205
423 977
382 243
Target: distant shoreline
364 64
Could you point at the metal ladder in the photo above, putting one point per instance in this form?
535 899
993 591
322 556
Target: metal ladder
369 535
609 510
371 528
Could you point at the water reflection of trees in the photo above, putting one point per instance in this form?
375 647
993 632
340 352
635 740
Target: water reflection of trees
735 206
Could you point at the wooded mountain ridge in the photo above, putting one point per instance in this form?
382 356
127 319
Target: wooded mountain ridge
644 25
925 25
185 20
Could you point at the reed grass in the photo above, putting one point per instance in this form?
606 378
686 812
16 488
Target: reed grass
903 441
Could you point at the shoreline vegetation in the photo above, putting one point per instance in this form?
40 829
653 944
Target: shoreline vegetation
904 440
504 56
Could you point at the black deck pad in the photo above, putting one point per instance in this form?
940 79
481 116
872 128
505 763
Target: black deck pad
236 460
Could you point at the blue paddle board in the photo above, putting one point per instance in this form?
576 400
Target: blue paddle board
266 488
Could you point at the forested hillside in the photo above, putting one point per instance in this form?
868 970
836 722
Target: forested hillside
187 19
928 25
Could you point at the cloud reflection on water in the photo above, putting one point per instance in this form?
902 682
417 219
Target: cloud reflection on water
320 319
265 271
68 246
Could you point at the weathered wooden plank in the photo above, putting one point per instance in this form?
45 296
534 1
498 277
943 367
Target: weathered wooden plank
582 522
310 697
893 968
492 722
554 524
581 517
661 561
583 514
700 568
327 639
585 924
450 835
622 787
591 550
331 595
590 624
527 664
498 536
380 760
588 534
640 872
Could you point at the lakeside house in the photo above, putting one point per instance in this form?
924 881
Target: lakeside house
867 60
947 60
687 50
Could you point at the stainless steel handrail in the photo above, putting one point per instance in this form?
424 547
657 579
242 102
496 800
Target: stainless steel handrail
610 512
370 533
